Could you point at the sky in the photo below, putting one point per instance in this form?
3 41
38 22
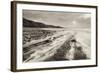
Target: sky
63 19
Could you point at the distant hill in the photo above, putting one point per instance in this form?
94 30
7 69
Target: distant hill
29 23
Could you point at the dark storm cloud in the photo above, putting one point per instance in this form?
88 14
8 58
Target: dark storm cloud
64 19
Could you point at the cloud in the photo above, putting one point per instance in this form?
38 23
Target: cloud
64 19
